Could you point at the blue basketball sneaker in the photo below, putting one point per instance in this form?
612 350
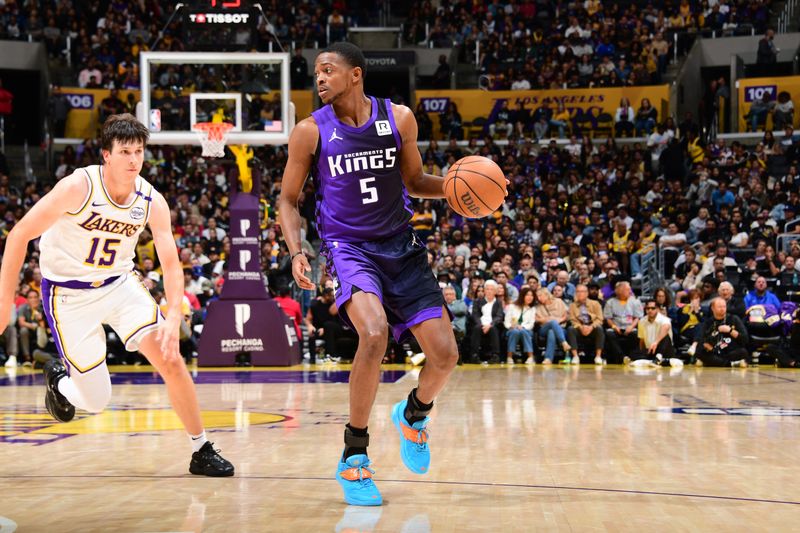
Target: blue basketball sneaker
413 440
355 477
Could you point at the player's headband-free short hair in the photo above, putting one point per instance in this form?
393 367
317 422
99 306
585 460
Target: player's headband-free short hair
123 128
351 53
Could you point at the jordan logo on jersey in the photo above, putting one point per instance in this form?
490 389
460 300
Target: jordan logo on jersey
97 222
368 160
334 137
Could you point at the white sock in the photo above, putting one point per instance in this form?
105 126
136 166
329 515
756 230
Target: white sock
198 441
67 387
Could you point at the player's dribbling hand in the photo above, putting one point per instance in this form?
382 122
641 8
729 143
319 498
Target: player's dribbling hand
169 337
299 268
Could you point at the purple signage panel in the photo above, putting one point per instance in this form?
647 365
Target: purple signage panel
244 280
245 320
257 327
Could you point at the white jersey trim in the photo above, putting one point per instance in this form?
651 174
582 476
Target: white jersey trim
108 196
88 195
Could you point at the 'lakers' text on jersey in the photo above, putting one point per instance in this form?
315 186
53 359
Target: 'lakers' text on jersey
97 222
360 191
99 240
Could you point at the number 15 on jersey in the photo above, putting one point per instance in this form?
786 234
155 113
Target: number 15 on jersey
108 253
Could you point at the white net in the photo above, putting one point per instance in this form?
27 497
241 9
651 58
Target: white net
213 136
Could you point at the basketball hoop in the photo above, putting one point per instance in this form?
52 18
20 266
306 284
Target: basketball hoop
212 137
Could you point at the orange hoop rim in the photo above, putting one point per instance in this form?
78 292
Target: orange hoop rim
216 131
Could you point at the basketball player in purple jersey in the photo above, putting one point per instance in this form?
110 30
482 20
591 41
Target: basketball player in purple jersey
362 152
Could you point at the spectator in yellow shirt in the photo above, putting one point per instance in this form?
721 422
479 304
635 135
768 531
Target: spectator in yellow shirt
622 245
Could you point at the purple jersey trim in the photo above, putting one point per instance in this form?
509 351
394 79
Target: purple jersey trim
47 307
399 140
401 331
396 132
75 284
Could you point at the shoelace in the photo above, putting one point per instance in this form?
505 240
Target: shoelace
363 480
214 453
422 438
361 477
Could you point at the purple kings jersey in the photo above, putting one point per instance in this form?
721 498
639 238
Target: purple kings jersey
360 192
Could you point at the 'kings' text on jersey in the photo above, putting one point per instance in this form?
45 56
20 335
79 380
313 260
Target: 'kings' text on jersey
371 160
360 191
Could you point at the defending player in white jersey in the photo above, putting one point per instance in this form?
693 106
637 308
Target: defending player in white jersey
90 223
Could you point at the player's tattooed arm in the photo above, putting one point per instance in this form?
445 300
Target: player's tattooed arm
419 184
68 196
302 146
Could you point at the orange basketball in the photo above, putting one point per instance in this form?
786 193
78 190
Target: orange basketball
475 186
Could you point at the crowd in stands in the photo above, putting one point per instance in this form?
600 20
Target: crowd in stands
553 119
536 44
554 274
103 38
581 217
579 222
528 44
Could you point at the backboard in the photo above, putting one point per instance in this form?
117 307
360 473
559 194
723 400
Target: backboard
250 89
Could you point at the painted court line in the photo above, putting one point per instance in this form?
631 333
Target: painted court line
777 377
457 483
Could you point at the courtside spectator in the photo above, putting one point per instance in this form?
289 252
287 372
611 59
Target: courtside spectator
724 338
622 314
586 321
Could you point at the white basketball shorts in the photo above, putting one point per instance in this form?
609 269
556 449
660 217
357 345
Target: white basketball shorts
76 318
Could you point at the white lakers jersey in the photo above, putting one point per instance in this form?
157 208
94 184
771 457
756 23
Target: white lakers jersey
98 240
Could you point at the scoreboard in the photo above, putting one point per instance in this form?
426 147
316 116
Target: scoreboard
220 25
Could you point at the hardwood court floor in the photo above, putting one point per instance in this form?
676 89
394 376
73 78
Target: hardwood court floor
514 449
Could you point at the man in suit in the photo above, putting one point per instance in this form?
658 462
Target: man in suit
767 51
487 316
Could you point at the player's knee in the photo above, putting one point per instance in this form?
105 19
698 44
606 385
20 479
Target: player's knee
445 359
97 401
374 338
173 368
451 359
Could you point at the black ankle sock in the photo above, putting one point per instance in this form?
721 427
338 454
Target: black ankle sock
415 409
356 441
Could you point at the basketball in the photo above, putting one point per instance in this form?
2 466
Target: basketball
475 186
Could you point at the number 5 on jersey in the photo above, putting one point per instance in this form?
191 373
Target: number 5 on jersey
107 253
371 192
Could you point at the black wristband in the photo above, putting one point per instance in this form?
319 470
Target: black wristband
296 254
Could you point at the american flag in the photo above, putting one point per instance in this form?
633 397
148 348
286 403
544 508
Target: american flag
273 125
